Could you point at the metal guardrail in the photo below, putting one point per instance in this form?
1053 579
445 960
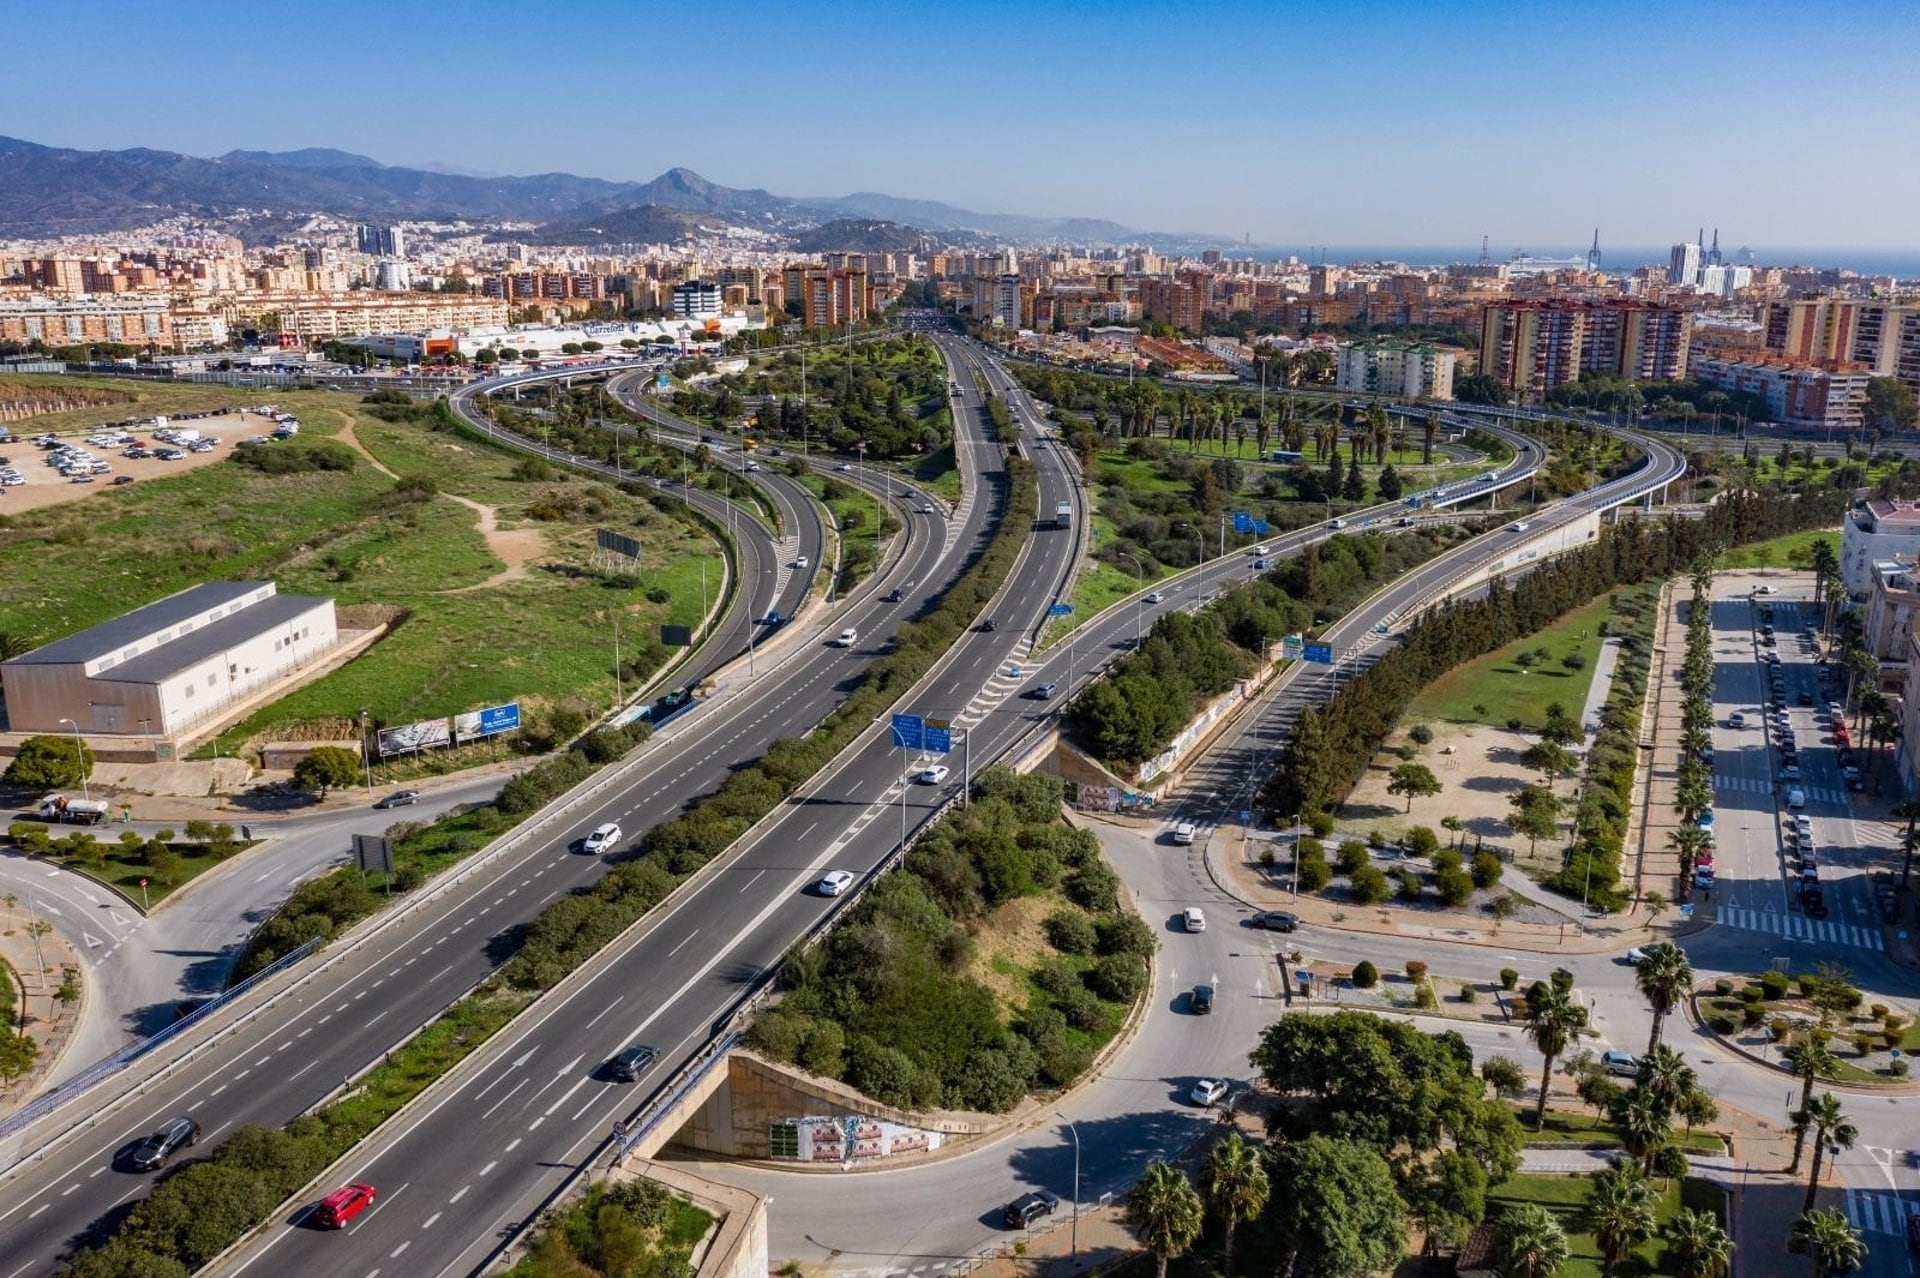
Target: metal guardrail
107 1067
677 1087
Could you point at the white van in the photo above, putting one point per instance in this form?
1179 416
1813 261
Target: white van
1184 832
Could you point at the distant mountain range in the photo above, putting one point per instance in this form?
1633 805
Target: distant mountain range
55 190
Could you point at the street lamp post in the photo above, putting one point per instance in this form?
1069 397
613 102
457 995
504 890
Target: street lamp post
1075 1132
1139 605
80 748
366 754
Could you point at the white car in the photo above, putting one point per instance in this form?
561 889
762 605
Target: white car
602 838
802 563
1193 920
1518 525
848 638
925 509
1156 598
1796 798
1339 523
1207 1091
1736 720
835 882
752 466
1258 552
934 775
843 468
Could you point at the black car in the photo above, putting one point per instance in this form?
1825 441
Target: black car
1276 920
631 1062
894 595
1806 698
1202 1004
399 799
1027 1208
153 1152
987 625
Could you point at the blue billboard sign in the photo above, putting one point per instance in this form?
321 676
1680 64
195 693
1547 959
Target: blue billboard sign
1246 523
909 732
489 722
1320 652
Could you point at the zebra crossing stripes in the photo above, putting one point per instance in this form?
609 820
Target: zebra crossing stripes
1876 1211
1798 927
1760 785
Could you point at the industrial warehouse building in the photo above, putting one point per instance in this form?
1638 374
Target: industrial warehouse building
161 669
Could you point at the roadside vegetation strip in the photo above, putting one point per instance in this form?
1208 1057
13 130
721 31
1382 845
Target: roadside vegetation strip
616 1229
1517 682
997 961
854 511
199 1211
1332 745
1149 695
143 869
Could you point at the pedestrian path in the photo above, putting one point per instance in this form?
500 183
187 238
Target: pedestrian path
1800 928
1876 1211
1760 785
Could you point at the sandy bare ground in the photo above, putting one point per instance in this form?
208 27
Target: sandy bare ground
47 487
1477 781
514 547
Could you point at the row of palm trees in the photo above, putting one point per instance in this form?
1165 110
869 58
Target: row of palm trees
1200 417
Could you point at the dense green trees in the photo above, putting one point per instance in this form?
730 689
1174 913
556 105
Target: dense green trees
50 762
325 768
890 983
1336 1211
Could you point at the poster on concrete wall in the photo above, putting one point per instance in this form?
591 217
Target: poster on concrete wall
410 737
1099 798
840 1140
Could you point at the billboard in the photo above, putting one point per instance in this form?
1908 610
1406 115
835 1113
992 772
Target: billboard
409 737
491 721
616 543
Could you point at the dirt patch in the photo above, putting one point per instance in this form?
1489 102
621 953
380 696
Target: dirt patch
1477 780
47 487
514 547
1013 941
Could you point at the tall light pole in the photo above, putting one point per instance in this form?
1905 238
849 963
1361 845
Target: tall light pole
1075 1133
366 752
1139 605
80 748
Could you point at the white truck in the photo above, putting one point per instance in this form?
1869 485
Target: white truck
1063 515
58 807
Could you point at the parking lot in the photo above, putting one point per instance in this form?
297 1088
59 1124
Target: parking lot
78 466
1797 831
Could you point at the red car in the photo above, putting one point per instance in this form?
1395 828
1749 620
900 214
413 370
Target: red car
343 1204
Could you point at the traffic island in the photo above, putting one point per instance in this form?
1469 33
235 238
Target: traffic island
1761 1017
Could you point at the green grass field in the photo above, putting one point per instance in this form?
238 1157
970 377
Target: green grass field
937 473
1795 550
1565 1196
541 637
1494 688
1575 1128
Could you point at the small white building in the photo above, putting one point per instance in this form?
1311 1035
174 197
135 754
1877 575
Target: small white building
1872 532
175 663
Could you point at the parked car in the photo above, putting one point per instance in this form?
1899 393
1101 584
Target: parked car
1625 1064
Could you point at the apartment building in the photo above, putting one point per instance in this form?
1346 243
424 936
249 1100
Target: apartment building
1408 370
1884 337
125 318
1531 345
1878 531
695 300
363 314
1830 397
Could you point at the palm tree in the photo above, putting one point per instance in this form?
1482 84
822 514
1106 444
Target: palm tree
1452 825
1553 1020
1696 1245
1832 1129
1234 1182
1697 1107
1666 1077
1619 1211
1642 1123
1664 977
1529 1243
1907 810
1826 1235
1429 426
1688 841
1808 1057
1164 1211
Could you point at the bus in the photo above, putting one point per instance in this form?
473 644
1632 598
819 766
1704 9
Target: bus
1284 455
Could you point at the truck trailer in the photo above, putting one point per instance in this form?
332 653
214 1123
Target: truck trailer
58 807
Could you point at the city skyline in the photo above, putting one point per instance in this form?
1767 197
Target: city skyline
1056 114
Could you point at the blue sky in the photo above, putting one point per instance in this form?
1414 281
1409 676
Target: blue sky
1339 122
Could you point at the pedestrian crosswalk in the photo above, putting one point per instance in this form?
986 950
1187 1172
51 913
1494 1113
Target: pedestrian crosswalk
1798 927
1760 785
1876 1211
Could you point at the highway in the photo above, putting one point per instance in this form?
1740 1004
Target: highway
291 1045
479 1156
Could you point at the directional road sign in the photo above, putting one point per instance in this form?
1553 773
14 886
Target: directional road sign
1060 610
909 732
1320 652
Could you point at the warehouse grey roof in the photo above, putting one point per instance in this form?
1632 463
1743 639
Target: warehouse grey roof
210 640
163 614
